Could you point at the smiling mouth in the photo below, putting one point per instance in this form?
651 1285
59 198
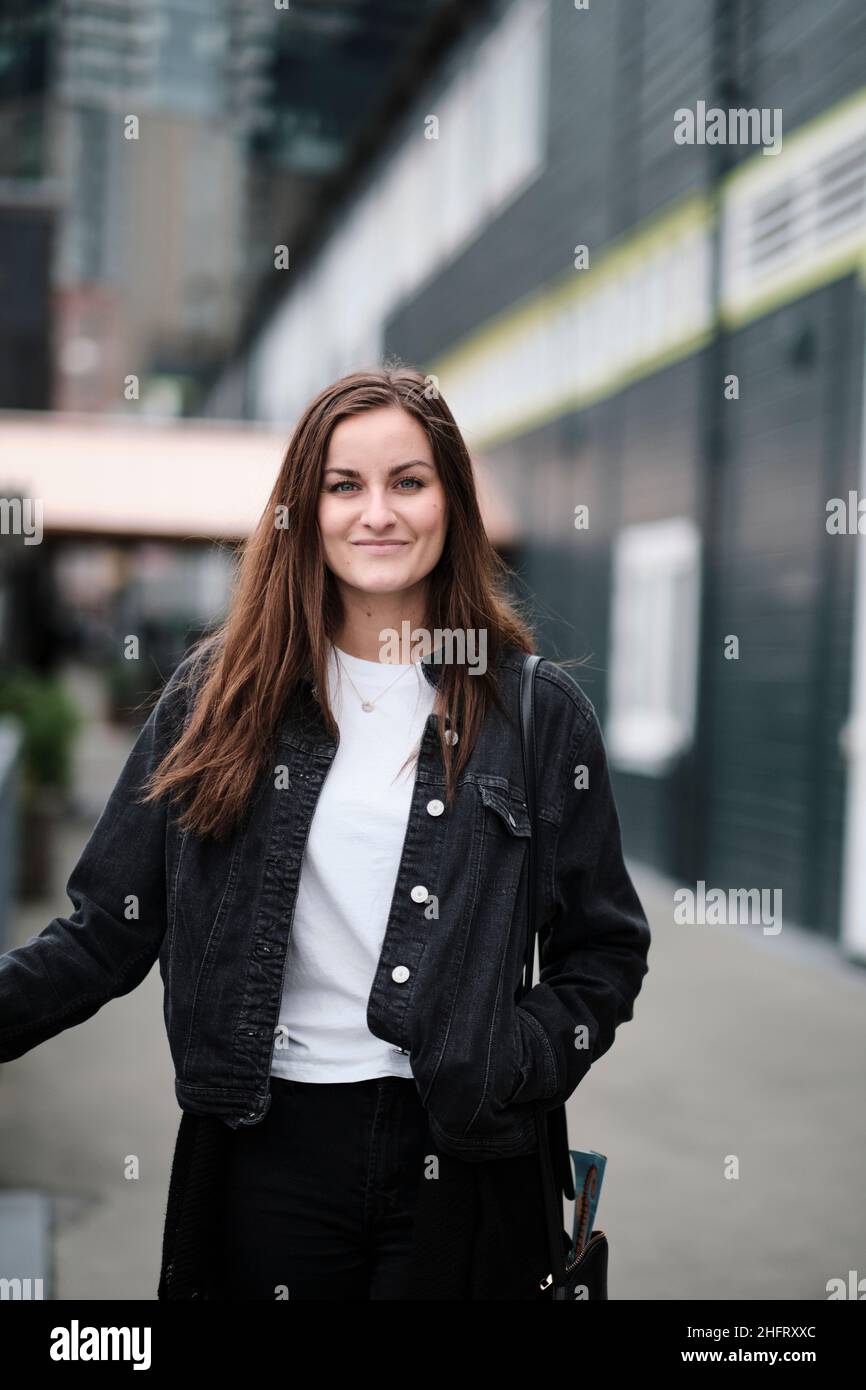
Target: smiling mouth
380 545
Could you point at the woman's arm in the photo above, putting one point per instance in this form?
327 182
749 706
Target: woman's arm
594 957
107 946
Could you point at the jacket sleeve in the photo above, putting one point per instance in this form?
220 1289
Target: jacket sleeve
594 956
118 890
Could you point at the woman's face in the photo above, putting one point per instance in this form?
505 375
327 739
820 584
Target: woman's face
382 507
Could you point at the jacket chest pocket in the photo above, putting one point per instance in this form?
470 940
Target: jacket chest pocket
505 835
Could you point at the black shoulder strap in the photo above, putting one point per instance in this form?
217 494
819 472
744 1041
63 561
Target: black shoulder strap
530 775
527 740
552 1201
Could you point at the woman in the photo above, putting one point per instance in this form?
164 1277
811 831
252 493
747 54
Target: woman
321 834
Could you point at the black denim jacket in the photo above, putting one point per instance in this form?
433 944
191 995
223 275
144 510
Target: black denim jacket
218 916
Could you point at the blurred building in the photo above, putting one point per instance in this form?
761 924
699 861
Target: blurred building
153 154
669 335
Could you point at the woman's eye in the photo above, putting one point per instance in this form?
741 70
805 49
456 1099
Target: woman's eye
346 482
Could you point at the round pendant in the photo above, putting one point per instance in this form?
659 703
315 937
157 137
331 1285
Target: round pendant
366 706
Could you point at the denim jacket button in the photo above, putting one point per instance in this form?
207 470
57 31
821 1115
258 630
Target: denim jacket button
419 893
435 808
400 973
451 736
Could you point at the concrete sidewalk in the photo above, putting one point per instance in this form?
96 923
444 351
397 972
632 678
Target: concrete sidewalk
741 1045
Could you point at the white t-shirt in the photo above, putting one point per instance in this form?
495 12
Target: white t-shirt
347 878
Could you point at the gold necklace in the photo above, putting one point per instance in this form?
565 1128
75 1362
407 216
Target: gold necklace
367 705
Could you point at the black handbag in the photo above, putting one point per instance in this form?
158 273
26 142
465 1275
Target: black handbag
585 1275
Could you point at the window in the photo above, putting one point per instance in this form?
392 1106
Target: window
654 644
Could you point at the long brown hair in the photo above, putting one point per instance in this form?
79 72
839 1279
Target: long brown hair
286 607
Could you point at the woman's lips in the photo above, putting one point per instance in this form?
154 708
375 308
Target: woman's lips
380 547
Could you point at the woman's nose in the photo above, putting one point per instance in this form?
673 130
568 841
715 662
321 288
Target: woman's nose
378 510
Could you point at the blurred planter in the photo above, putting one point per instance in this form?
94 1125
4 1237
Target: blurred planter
49 721
40 814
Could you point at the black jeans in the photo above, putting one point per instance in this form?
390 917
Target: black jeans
320 1196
